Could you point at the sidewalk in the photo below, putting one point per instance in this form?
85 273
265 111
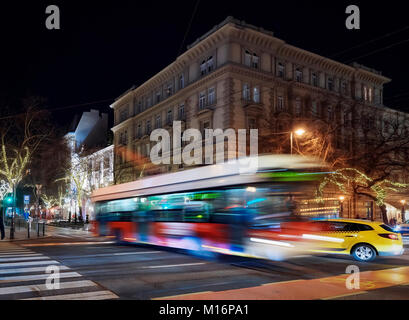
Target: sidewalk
22 234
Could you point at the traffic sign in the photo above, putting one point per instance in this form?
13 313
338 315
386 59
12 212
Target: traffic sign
26 199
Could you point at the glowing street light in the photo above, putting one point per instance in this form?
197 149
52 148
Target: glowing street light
298 132
341 204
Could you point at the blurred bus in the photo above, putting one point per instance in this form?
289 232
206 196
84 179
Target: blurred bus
222 208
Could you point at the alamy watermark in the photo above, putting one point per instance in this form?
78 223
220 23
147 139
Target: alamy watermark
53 280
198 146
352 281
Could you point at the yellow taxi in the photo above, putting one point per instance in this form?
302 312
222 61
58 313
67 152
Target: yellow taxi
362 239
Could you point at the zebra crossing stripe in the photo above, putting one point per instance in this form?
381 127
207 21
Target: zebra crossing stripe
37 277
32 269
29 263
22 259
96 295
28 254
15 252
43 287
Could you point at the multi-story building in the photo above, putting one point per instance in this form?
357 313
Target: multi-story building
237 76
92 161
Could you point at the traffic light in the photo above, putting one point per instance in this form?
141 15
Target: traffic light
8 199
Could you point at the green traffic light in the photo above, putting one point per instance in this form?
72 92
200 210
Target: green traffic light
9 199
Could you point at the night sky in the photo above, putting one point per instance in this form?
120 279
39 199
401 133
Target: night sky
103 48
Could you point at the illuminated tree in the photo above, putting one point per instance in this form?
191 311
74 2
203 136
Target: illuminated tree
21 134
350 180
77 175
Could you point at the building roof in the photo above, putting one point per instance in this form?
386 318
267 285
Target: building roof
234 26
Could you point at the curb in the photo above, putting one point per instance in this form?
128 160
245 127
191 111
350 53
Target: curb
25 239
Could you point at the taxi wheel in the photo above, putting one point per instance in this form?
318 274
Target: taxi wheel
363 252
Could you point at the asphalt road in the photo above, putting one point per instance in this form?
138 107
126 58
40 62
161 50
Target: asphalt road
97 268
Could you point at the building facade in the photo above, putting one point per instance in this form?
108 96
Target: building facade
92 161
237 76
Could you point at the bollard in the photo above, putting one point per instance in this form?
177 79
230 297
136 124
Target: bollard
38 229
28 229
43 228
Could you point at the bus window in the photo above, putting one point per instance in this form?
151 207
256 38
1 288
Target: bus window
196 211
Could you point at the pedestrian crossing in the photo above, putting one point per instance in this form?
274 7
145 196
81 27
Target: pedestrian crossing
24 276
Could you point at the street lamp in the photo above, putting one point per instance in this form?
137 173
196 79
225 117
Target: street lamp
341 201
298 132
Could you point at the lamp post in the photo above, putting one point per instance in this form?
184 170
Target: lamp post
38 193
298 132
341 209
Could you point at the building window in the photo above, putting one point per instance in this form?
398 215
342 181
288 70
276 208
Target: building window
148 127
202 100
251 123
169 90
158 97
297 106
344 89
204 125
181 81
207 66
246 92
314 108
181 112
148 102
251 59
330 113
247 58
210 64
139 131
280 70
256 94
124 114
169 116
280 103
298 75
330 84
158 122
203 68
314 79
211 96
370 94
255 61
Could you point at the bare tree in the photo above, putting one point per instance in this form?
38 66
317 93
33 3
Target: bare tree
21 134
